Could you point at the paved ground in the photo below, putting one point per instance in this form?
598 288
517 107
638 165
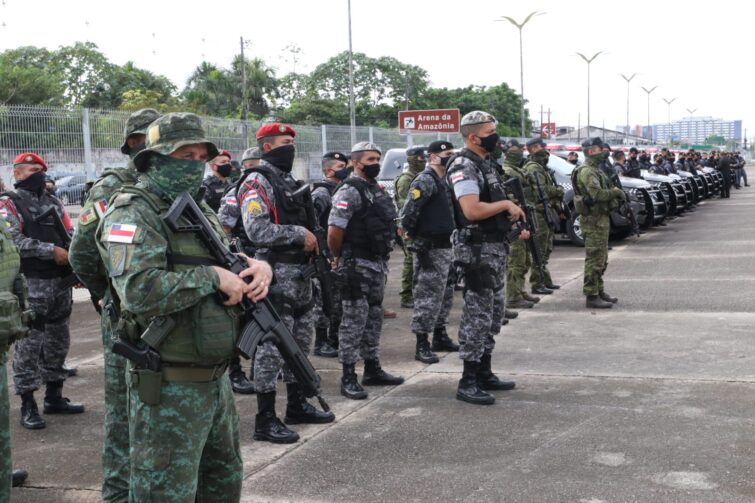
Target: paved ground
651 401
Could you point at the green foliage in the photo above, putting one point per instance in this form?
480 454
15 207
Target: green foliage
715 140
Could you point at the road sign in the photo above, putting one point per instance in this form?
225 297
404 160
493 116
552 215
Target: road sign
548 130
429 121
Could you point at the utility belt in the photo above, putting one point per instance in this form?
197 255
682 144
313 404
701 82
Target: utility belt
477 237
363 253
55 273
285 257
148 383
433 242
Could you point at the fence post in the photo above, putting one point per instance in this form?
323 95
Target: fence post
371 135
86 131
324 139
245 132
409 140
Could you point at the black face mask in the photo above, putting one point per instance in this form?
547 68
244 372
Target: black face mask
489 142
34 183
371 170
224 170
444 161
342 174
281 157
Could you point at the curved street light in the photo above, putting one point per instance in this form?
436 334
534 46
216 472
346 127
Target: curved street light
628 80
670 132
588 61
650 131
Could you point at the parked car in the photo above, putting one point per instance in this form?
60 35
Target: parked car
70 189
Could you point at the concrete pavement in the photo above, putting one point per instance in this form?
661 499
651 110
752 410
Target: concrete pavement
651 401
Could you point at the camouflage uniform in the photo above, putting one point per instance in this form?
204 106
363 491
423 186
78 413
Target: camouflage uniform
87 263
214 189
519 260
40 356
594 202
544 235
401 191
322 201
182 420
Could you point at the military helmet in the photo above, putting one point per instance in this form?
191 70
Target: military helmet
137 123
171 132
477 117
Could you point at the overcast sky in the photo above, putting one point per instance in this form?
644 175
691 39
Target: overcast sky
694 54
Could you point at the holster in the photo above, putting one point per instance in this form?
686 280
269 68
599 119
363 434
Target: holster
147 383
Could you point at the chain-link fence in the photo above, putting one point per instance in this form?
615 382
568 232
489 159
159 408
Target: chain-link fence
78 144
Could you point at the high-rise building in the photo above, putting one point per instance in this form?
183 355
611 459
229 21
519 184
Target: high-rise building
696 129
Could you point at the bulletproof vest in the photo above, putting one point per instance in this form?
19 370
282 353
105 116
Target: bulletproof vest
331 188
633 168
435 219
42 230
371 230
205 333
214 190
125 176
13 292
492 191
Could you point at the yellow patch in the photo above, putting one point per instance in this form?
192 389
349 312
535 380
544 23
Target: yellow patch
416 194
254 208
153 135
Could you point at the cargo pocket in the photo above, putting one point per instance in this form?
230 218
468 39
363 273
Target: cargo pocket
12 320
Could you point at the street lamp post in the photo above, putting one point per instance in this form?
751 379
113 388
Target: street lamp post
628 79
352 107
588 61
650 131
670 133
521 57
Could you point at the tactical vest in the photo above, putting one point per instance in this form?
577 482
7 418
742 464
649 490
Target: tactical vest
492 191
206 333
331 188
13 292
435 219
212 196
124 175
583 203
43 231
371 230
411 177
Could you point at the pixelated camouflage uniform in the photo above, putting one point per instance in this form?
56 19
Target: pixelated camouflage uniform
292 294
483 303
86 262
40 357
401 191
519 260
544 235
322 201
433 283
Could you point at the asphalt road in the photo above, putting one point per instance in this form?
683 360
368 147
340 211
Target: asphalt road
651 401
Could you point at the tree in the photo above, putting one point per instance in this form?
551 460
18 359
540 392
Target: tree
260 85
209 91
83 70
119 80
25 78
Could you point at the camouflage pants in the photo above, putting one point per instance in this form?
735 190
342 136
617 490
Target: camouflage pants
362 292
322 321
115 452
596 231
519 262
432 301
6 464
185 449
545 242
405 294
483 307
40 356
293 301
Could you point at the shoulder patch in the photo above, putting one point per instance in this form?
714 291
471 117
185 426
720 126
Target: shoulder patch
254 208
100 206
88 215
117 257
457 177
342 205
416 194
122 233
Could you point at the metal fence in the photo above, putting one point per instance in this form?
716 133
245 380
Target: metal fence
84 142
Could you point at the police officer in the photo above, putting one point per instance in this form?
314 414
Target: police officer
361 227
216 183
13 326
427 218
632 168
44 261
275 221
518 260
182 418
483 219
334 171
594 198
415 163
724 166
87 264
537 171
572 158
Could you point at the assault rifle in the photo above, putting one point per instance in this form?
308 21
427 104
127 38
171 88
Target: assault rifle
261 322
545 201
516 187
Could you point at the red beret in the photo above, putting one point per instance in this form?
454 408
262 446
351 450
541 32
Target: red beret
29 158
222 152
275 129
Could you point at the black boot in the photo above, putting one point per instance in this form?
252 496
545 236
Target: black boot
487 380
442 342
322 348
267 426
298 410
239 383
30 417
510 315
56 403
541 290
595 302
71 371
350 387
552 286
374 375
19 477
423 353
469 390
608 298
530 298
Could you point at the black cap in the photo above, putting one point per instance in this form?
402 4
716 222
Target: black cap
592 142
633 150
617 154
418 151
337 156
439 146
535 141
512 143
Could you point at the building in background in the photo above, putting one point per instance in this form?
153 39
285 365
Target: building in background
695 130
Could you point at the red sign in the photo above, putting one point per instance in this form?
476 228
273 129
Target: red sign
548 129
429 121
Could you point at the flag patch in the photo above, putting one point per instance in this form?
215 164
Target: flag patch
122 233
101 207
88 216
342 205
232 201
457 177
